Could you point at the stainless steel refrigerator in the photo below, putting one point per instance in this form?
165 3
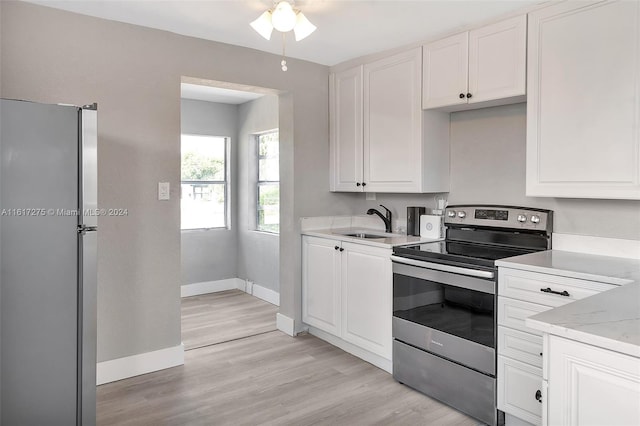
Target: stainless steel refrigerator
48 246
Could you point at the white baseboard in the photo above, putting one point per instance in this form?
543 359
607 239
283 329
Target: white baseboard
205 287
266 294
250 287
597 245
371 358
285 324
135 365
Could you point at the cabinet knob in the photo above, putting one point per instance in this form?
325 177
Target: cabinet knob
336 248
341 249
364 183
461 95
539 396
357 183
469 95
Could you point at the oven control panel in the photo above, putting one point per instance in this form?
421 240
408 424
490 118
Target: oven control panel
500 216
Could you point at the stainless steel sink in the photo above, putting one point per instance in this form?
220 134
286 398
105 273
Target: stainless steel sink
363 235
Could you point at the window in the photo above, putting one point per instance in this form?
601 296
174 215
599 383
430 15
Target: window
204 174
268 190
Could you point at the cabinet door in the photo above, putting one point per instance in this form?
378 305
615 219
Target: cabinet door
346 130
321 284
518 386
445 72
367 298
591 386
393 123
583 106
498 60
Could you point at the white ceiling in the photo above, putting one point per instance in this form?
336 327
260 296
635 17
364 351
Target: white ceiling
346 28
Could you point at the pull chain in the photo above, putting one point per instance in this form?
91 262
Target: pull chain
284 60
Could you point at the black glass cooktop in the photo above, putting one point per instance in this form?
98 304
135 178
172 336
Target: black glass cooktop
459 253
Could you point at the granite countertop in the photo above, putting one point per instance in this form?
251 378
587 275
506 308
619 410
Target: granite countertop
610 319
386 240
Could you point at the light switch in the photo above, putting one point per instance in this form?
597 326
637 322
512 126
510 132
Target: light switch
163 191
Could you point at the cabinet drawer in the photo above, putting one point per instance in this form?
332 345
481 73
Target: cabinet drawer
521 346
512 313
518 384
529 286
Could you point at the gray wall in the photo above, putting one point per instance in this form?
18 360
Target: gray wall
210 255
134 74
258 252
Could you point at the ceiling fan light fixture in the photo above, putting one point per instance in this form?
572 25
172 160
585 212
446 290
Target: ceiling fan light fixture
263 25
303 27
283 17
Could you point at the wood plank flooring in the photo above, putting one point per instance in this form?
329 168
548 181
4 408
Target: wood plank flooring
269 379
223 316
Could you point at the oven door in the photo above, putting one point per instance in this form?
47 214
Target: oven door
446 310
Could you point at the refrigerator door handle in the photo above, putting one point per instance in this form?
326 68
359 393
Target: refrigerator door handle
83 229
88 147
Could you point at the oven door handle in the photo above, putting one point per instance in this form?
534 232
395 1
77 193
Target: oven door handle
444 268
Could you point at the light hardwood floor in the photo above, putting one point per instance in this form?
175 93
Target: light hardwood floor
270 379
223 316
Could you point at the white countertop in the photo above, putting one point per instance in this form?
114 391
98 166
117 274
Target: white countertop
606 269
385 241
610 319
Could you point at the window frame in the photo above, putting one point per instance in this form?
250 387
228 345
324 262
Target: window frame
259 182
225 182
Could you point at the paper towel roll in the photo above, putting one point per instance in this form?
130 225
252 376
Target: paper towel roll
431 226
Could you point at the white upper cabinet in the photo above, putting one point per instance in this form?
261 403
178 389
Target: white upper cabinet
392 123
381 140
478 68
346 130
583 111
446 72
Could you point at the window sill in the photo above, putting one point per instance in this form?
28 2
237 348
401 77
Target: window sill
205 229
257 231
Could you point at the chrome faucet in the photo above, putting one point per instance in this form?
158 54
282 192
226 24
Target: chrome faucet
386 218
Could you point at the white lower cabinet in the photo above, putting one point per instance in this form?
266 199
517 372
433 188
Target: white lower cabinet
367 298
590 385
321 284
520 389
521 294
347 292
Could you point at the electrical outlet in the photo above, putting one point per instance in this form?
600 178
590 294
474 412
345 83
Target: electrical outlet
370 196
164 189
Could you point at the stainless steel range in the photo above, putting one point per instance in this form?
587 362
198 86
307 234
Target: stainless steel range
444 303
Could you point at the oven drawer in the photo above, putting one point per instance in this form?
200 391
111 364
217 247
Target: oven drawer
463 351
521 346
512 313
462 388
518 387
545 289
